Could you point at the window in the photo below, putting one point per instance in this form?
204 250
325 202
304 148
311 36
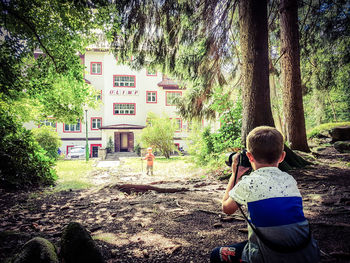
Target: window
151 96
124 109
170 97
123 81
98 97
178 123
151 73
96 123
72 127
48 123
96 68
186 126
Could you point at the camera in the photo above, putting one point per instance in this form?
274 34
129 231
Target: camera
243 159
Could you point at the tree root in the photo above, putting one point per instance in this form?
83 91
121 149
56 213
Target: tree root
141 188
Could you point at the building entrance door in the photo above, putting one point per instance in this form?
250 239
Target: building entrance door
124 142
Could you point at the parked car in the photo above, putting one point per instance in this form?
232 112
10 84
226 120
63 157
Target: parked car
77 152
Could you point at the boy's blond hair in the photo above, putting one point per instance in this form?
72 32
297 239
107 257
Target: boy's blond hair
265 144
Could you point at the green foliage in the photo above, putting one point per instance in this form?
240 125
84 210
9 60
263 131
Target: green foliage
325 61
137 149
48 139
52 84
325 127
54 81
110 144
23 162
159 134
209 148
230 116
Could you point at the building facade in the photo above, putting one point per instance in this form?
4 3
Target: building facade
126 98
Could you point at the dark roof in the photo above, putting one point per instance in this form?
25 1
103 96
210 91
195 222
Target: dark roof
87 81
123 127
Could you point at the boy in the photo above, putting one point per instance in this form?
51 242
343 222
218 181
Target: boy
274 207
149 157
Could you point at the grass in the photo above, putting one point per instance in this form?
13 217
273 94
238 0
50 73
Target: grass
74 174
79 174
325 127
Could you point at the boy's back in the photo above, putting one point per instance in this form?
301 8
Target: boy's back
275 208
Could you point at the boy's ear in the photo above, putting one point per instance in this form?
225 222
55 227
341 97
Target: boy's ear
283 155
250 156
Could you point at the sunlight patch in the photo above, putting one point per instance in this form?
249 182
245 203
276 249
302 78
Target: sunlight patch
148 239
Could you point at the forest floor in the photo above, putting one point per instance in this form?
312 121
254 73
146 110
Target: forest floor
183 226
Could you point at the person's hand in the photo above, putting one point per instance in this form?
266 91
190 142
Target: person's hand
241 169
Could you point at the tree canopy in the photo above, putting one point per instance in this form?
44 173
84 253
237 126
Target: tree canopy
198 42
41 75
52 83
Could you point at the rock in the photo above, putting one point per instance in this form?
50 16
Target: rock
145 253
342 146
38 250
340 133
217 225
77 246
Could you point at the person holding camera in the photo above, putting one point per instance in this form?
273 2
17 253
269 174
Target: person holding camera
277 228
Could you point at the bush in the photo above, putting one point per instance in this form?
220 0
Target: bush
48 139
137 149
208 148
23 162
109 145
325 128
159 134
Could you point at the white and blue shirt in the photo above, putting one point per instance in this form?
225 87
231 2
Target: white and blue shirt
274 207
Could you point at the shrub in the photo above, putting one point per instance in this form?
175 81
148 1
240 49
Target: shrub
48 139
110 145
208 148
23 162
159 134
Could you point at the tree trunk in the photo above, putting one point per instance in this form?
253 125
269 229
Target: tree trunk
255 65
292 91
276 113
255 70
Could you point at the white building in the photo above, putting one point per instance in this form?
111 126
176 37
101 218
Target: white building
127 96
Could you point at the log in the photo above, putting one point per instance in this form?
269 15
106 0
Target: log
141 188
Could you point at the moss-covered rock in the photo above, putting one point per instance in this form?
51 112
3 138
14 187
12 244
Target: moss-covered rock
323 130
38 250
342 146
340 133
77 246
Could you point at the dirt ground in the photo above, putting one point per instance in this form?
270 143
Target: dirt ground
173 227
